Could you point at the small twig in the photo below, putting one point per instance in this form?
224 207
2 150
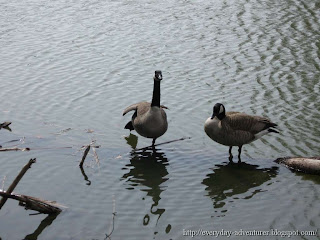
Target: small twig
176 140
84 156
16 181
96 155
113 217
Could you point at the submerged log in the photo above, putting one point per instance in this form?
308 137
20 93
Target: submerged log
36 204
303 164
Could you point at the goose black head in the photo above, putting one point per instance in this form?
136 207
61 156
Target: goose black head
157 75
218 111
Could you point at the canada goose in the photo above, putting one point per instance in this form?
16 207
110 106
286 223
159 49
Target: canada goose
149 120
235 128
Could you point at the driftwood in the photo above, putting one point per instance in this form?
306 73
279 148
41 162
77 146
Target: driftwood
303 164
37 204
28 202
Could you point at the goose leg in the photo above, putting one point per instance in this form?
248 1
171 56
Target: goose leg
230 154
239 151
153 142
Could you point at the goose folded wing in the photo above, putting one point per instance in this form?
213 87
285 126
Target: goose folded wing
132 107
252 124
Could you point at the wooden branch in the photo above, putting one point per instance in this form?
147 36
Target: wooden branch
113 218
16 181
84 156
14 149
151 146
37 204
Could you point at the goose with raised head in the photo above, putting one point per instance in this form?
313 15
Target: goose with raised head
149 119
235 128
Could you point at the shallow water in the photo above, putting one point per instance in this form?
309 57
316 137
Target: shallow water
69 68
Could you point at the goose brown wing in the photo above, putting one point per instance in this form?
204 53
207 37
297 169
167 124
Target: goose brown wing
244 122
141 107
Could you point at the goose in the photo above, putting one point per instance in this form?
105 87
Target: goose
235 128
149 119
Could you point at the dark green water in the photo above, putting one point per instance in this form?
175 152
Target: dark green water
72 66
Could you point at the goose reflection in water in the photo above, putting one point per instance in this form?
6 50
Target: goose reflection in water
147 172
234 179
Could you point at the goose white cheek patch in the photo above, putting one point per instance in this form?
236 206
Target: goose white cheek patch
221 109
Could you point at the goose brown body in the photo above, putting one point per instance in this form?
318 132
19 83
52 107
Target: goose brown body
149 122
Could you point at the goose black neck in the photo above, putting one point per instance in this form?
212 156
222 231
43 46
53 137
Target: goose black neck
156 94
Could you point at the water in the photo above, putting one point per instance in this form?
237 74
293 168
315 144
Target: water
69 68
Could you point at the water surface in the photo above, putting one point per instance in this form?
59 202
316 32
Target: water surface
68 70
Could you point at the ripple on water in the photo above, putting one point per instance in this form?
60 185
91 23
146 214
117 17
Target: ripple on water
79 64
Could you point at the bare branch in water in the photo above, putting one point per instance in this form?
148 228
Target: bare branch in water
42 206
16 180
176 140
84 156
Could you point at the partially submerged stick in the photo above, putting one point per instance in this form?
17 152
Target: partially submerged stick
304 164
84 156
37 204
16 181
176 140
